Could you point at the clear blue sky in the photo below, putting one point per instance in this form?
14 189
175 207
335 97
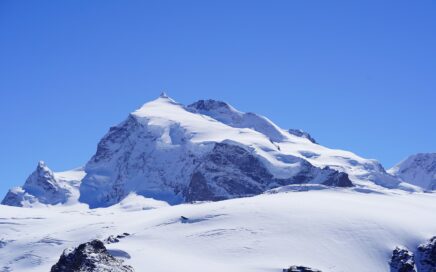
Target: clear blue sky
358 75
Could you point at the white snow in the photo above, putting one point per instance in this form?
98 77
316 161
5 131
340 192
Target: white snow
331 230
419 169
225 123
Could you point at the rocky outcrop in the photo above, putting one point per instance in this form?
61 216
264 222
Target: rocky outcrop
89 257
15 197
298 268
426 260
302 134
230 171
227 171
336 179
402 260
112 239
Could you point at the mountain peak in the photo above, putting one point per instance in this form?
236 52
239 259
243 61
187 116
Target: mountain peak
41 165
418 169
163 95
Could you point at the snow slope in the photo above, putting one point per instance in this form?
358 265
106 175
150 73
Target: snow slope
419 169
335 230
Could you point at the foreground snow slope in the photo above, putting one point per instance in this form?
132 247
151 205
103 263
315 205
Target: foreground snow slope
332 230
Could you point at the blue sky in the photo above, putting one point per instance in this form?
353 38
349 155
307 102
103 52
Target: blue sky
358 75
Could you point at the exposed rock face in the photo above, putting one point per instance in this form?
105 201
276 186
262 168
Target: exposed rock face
15 197
227 171
299 268
303 134
232 171
89 257
336 179
427 256
41 186
402 260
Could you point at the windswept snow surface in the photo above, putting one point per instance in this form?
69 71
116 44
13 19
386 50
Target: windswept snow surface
331 230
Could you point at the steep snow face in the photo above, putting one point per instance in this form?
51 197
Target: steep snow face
210 151
44 186
419 169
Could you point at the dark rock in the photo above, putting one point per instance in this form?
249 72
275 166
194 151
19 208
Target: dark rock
426 260
89 257
112 239
230 171
299 268
227 171
402 260
209 104
303 134
3 243
13 199
337 179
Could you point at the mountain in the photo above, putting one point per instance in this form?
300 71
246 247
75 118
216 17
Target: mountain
205 151
211 151
44 186
419 169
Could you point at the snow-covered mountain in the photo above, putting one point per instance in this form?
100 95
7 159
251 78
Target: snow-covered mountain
211 151
419 169
44 186
205 151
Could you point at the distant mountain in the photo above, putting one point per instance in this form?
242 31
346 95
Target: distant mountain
205 151
44 186
419 169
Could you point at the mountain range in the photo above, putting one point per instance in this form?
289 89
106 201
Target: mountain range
210 151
